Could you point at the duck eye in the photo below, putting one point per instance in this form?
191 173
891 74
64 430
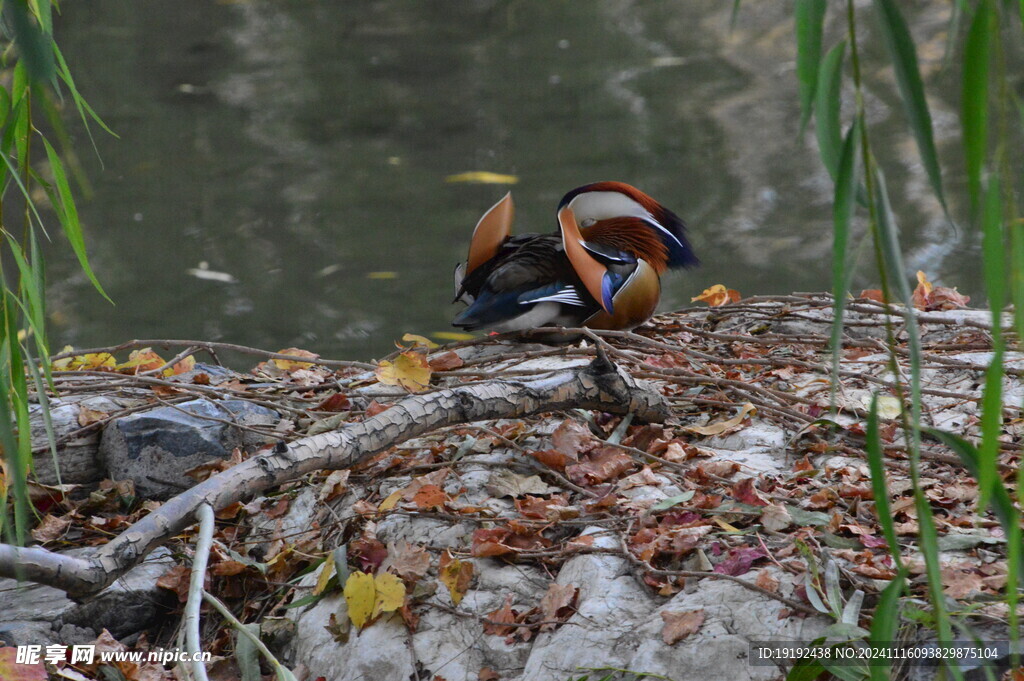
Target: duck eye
587 222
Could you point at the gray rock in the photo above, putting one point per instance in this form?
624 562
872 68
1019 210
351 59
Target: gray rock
129 604
26 632
126 606
155 448
78 457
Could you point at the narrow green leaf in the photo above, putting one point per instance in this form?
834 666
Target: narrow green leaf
842 211
993 252
879 489
974 99
903 54
32 42
886 622
247 655
72 228
735 13
806 669
809 16
826 108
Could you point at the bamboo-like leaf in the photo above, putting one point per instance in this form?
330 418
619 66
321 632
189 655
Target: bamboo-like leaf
826 108
842 211
903 54
809 15
879 488
33 43
886 622
993 252
72 228
974 98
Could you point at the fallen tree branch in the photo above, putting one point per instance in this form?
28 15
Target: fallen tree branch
601 385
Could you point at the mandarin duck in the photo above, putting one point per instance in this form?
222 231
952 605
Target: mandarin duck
601 268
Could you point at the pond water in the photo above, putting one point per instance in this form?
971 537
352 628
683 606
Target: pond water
302 149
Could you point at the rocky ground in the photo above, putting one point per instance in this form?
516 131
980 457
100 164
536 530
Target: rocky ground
544 547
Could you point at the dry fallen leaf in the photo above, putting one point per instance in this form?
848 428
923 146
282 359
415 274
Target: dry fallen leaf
50 527
717 295
294 364
679 625
508 484
456 575
410 370
720 427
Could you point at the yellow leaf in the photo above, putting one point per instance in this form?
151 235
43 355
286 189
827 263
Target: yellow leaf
185 365
390 593
726 526
390 502
452 335
922 280
382 275
360 595
409 370
326 572
720 427
419 341
482 177
140 361
293 364
717 295
456 575
97 361
63 364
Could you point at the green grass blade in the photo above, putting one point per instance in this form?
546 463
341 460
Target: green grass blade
70 224
993 252
903 54
886 622
826 108
880 491
842 211
735 13
809 15
974 99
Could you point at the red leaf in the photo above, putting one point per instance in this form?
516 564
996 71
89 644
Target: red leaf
739 561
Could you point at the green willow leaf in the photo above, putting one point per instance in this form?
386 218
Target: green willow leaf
993 252
974 99
809 16
826 107
70 224
32 40
886 622
900 45
842 211
880 492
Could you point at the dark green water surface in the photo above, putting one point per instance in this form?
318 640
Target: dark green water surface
303 147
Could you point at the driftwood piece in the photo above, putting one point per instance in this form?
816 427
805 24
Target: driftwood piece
601 385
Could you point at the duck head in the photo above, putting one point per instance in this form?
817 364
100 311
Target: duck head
607 211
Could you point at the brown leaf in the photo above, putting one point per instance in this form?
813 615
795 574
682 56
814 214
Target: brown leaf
572 438
872 294
227 568
745 492
336 402
501 618
409 561
87 416
552 458
766 581
602 464
679 625
487 674
726 425
50 528
334 486
375 408
557 604
430 496
176 579
446 361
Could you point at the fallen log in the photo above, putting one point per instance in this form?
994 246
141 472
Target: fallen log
601 385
